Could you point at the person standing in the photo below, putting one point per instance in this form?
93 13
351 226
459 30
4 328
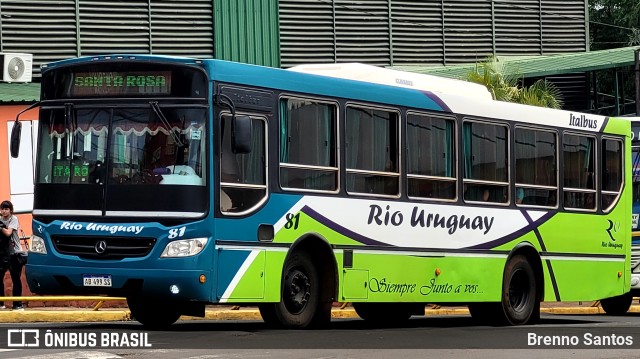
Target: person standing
12 256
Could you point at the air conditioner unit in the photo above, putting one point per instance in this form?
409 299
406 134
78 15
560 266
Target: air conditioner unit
16 67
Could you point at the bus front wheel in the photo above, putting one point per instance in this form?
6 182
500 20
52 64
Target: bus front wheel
301 305
618 305
151 314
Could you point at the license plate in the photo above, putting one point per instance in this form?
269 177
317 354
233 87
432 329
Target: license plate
96 280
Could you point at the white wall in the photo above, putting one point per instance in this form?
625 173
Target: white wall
21 169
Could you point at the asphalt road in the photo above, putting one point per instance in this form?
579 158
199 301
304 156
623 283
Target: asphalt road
584 336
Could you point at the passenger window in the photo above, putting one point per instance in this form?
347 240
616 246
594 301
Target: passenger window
579 166
486 158
308 146
611 172
431 156
372 158
243 182
536 167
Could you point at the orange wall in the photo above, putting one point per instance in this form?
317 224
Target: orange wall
8 113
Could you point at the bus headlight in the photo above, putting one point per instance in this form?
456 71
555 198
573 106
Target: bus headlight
184 247
37 245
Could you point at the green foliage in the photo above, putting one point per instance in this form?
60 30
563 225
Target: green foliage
502 82
614 23
541 93
492 74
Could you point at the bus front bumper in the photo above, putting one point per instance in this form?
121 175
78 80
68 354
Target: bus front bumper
159 283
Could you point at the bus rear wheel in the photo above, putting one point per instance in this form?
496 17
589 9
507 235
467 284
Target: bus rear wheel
520 297
151 314
301 305
618 305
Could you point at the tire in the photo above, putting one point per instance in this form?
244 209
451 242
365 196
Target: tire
151 315
618 305
520 298
384 314
302 305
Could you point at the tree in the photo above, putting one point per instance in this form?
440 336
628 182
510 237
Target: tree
503 82
541 93
614 23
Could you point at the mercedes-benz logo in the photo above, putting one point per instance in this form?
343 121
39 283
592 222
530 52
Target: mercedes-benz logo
100 247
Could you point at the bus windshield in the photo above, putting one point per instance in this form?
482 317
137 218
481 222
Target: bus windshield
123 139
152 145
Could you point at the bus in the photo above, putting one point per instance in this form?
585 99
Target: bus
179 183
620 305
635 227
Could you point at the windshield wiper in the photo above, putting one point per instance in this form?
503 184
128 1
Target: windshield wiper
71 124
156 108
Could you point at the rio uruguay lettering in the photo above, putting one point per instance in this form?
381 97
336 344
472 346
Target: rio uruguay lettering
420 218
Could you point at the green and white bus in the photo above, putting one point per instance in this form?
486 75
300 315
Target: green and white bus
178 183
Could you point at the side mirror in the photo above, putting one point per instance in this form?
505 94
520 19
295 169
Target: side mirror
16 133
241 134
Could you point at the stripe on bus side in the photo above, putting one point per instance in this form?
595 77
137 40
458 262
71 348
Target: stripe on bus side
552 276
238 276
254 249
419 252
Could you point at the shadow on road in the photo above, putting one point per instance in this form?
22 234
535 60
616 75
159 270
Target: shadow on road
345 324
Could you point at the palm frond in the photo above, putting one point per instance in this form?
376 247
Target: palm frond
502 82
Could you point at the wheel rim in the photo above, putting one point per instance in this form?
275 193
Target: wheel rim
298 291
519 295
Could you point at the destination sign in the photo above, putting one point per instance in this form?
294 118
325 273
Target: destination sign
121 83
65 172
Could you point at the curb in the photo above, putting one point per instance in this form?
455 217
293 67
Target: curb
39 316
85 315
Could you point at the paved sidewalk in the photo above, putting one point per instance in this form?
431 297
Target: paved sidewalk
71 314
